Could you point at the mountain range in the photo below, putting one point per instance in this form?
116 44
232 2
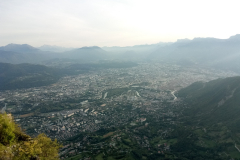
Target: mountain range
224 53
50 48
19 48
213 52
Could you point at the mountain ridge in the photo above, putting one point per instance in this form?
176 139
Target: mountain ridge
19 48
210 52
215 101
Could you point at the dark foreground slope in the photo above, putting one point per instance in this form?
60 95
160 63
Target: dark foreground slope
211 119
217 101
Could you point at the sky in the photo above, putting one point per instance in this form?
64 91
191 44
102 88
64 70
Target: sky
78 23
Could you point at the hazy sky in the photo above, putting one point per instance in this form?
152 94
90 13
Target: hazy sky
77 23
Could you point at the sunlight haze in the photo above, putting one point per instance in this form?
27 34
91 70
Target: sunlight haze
114 23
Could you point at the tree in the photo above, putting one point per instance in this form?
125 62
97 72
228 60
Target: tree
16 145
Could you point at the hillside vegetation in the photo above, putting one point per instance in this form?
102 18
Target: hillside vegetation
214 102
16 145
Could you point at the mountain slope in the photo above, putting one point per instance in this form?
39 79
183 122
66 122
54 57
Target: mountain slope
11 57
54 48
137 52
23 48
211 119
26 76
30 75
16 53
221 53
86 54
216 101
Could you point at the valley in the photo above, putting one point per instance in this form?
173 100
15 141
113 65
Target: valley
122 113
119 80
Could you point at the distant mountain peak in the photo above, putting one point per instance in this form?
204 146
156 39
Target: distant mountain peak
235 37
183 40
91 47
18 45
54 48
19 48
204 39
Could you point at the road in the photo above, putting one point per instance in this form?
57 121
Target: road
237 148
175 98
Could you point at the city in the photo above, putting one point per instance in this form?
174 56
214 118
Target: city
126 99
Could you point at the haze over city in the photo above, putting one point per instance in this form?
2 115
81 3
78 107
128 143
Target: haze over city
114 23
119 80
